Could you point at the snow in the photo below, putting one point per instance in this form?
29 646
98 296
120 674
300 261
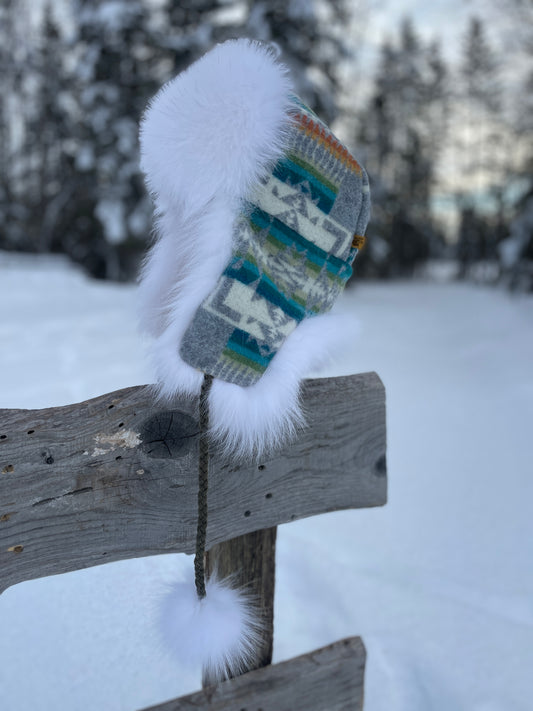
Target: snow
439 582
111 214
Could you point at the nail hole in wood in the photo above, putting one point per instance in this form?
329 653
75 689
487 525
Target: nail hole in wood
247 513
8 468
117 458
261 467
110 407
31 431
121 424
268 496
380 467
3 436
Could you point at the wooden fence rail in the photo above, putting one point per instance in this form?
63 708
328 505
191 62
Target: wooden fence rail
115 477
327 679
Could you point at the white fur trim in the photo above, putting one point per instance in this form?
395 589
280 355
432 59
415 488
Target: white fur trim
216 126
169 305
255 420
220 633
206 138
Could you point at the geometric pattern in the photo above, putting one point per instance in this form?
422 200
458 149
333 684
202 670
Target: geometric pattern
294 244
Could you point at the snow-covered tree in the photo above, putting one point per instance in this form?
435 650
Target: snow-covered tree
480 100
19 159
47 134
112 78
482 142
196 25
314 37
402 132
75 94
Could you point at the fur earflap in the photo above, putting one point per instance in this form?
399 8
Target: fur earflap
253 421
206 138
219 633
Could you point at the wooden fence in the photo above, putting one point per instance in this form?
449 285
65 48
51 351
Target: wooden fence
115 477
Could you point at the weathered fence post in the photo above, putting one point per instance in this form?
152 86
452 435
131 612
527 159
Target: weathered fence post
116 477
251 559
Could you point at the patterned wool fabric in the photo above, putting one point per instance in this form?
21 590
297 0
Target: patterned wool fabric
295 242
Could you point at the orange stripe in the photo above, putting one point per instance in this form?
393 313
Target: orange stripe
332 145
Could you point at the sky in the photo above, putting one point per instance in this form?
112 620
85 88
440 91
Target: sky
440 18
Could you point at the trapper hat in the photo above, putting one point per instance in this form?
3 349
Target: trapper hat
260 213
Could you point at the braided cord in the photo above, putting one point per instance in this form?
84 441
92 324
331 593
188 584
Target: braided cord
203 475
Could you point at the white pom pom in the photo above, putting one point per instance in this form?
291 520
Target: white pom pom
221 633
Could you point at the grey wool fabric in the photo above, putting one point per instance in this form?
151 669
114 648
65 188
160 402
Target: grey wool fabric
294 244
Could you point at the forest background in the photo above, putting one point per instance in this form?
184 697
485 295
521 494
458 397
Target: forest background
444 128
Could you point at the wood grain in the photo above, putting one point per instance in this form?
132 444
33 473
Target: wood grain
250 561
116 477
328 679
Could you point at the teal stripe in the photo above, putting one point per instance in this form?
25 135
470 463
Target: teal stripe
269 291
247 273
306 175
286 170
243 343
290 237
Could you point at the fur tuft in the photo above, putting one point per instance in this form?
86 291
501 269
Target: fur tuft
220 633
250 422
215 127
206 138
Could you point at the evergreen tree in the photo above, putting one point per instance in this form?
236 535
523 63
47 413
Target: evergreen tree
113 80
196 25
514 24
17 110
69 124
482 146
48 130
402 133
7 73
314 39
480 96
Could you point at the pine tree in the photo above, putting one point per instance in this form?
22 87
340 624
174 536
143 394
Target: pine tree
196 25
481 138
49 129
515 25
314 39
19 132
7 71
402 132
112 79
480 95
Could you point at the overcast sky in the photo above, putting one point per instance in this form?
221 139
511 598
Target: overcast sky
445 19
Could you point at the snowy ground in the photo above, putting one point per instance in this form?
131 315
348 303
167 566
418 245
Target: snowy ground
439 582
